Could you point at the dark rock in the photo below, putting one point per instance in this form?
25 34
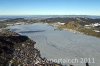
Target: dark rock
19 50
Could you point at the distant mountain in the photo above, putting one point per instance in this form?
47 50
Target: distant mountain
48 16
83 20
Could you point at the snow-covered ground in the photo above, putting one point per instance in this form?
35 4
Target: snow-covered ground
65 45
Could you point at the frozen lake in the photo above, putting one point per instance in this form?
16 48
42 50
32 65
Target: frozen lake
65 45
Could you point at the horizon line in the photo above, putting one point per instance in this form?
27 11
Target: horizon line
50 15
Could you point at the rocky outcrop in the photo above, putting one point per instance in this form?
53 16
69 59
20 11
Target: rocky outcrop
17 50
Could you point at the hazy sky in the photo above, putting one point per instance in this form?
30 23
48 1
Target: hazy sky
49 7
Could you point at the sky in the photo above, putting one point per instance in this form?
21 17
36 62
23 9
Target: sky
49 7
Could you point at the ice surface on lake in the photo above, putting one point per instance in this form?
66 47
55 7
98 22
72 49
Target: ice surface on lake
56 44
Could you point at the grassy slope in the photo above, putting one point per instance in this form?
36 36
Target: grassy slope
76 26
